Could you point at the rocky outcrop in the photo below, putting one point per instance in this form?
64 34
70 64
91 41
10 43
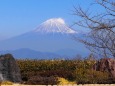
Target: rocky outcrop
106 65
9 70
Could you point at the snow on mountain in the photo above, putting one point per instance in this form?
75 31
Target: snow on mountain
54 25
52 36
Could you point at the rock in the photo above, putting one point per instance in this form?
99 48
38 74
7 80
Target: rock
9 70
106 65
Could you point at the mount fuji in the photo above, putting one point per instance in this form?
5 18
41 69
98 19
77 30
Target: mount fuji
52 36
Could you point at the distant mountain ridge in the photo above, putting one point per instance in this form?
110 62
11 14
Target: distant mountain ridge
31 54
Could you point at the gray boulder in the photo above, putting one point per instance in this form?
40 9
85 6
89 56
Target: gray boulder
9 70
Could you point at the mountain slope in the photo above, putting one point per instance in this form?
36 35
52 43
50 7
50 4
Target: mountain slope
52 35
55 25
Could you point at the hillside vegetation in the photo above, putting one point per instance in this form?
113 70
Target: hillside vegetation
60 71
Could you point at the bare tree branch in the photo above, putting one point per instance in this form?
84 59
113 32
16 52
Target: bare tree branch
101 38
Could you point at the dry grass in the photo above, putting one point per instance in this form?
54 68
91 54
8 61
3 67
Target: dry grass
64 85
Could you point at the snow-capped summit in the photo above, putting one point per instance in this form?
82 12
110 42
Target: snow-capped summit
54 25
56 20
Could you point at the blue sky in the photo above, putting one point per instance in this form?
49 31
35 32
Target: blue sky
20 16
